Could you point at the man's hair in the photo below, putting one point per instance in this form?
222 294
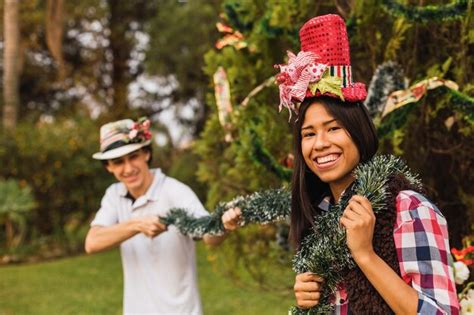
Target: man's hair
147 148
307 189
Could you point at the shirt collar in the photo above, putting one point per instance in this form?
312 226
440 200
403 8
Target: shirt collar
326 202
152 192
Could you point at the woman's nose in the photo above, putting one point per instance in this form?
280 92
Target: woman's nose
321 141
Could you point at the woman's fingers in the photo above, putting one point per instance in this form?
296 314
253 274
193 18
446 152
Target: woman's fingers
307 289
308 276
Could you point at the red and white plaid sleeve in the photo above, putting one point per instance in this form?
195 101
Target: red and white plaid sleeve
421 239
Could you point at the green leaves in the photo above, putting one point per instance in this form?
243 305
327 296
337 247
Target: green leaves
15 197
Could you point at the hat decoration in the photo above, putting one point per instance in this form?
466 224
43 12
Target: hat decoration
122 137
322 67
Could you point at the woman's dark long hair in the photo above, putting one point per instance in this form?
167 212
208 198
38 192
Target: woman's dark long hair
307 189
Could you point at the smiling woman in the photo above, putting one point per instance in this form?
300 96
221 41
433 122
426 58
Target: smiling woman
330 141
394 254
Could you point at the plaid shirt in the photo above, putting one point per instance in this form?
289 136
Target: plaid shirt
421 240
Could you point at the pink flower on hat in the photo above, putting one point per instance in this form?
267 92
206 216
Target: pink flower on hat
146 124
133 133
295 77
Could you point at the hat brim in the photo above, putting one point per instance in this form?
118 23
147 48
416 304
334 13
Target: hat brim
120 151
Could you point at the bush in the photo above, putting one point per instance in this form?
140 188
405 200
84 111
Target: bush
54 159
16 201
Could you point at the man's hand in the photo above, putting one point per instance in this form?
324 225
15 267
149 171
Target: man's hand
307 289
150 226
231 219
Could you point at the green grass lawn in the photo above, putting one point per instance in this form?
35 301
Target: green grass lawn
93 285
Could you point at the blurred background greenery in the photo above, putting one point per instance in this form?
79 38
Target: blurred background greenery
70 66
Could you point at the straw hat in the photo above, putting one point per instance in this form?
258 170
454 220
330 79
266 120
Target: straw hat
122 137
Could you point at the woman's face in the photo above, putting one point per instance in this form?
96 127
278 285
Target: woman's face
327 147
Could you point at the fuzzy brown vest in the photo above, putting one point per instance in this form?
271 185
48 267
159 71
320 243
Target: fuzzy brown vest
362 296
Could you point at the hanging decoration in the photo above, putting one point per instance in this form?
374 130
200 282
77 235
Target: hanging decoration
268 82
415 93
445 12
388 77
232 37
224 105
261 156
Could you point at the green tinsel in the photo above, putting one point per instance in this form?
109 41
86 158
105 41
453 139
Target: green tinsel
446 12
260 207
324 252
464 103
459 102
262 156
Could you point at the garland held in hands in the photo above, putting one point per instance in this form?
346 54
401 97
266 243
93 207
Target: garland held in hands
324 252
261 207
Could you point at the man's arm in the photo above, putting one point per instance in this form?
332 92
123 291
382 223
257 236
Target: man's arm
100 238
213 240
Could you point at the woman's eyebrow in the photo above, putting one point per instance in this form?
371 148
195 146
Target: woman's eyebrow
329 121
324 124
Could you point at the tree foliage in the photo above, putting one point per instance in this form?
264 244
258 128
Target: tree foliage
16 200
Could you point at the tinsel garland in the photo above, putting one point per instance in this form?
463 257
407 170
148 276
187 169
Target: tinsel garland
388 77
261 207
464 103
445 12
324 252
262 156
458 102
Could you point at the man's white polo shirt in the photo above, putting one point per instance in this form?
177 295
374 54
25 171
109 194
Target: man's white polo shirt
159 273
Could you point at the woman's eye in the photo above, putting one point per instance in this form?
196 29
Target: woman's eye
309 134
334 128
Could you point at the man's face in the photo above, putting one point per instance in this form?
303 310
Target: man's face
132 170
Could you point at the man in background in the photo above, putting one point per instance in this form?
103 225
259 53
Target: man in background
159 263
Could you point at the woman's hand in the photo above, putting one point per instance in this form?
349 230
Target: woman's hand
307 289
231 219
359 221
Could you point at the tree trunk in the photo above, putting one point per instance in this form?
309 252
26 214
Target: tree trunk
120 47
11 54
54 34
9 232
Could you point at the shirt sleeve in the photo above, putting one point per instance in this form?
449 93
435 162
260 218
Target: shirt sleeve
421 239
107 214
184 197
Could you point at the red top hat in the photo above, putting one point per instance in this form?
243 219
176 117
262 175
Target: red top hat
322 67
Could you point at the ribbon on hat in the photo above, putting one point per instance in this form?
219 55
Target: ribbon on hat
303 72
